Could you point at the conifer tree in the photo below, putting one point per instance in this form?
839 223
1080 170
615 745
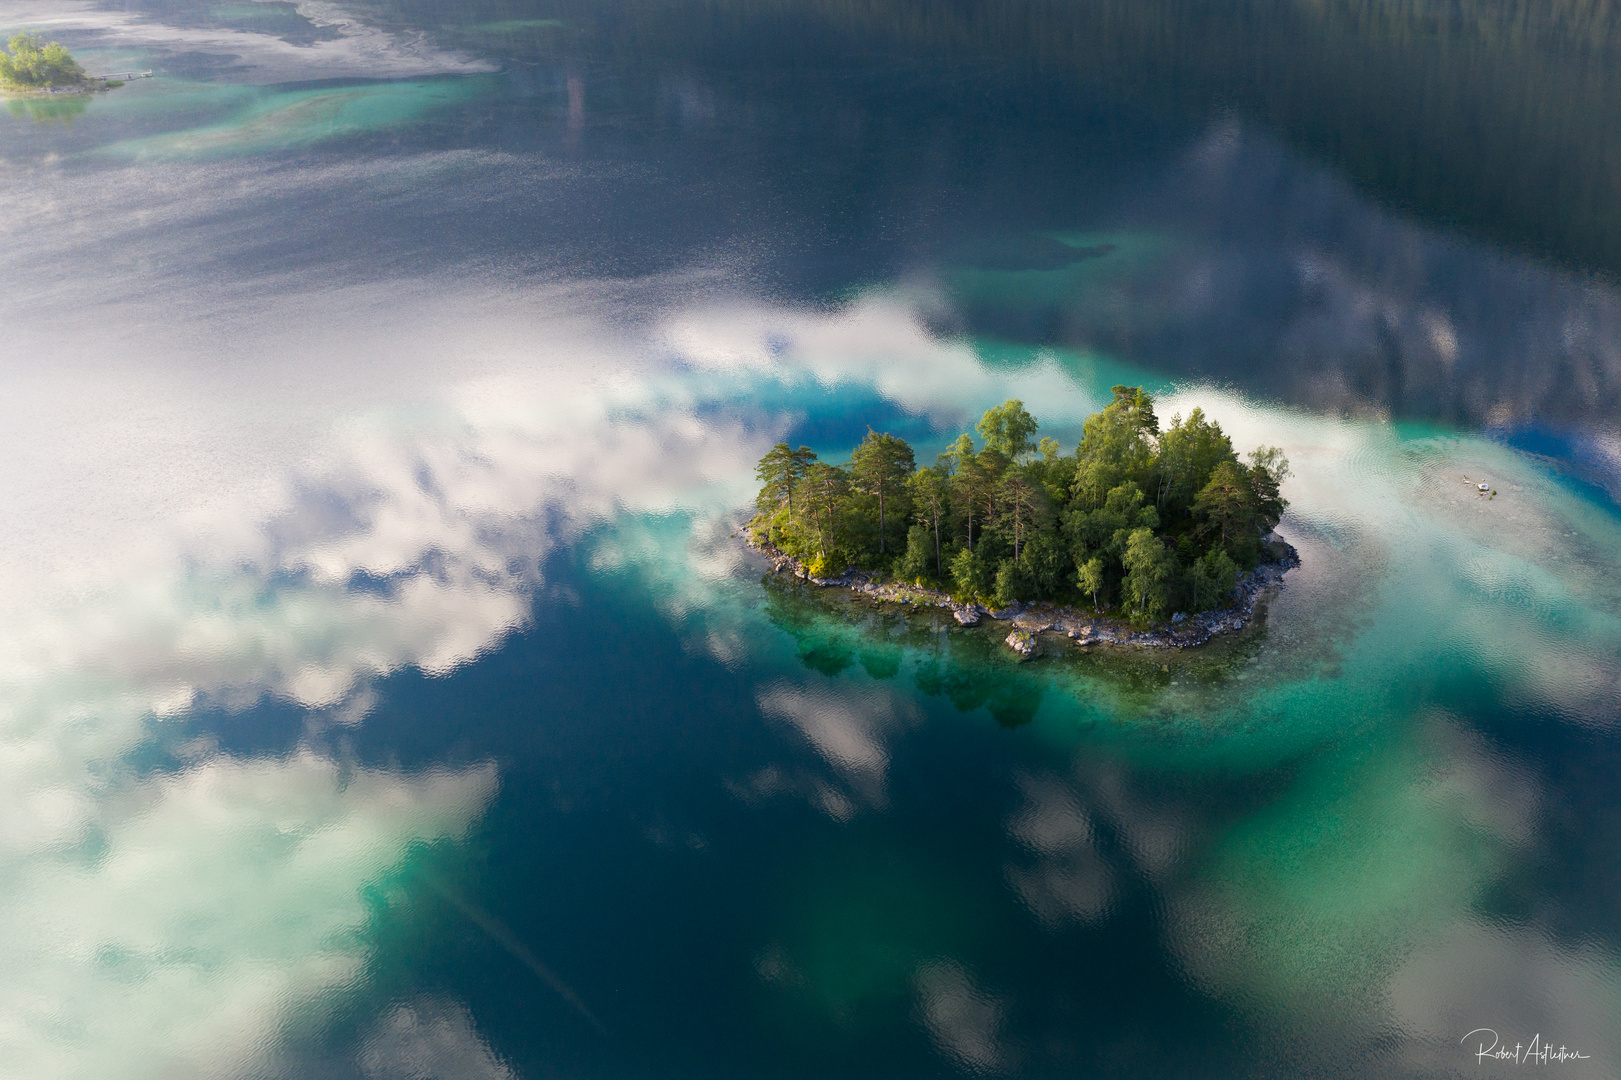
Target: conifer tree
879 467
1152 519
1024 509
931 496
969 483
780 472
826 488
1227 504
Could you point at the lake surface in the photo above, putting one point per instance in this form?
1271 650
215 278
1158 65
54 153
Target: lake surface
384 692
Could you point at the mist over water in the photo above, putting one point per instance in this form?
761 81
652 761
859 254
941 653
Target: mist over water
384 691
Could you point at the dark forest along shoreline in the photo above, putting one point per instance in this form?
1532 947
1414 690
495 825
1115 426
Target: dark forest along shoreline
1084 628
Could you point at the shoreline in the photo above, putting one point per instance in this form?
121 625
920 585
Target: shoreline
89 86
1029 619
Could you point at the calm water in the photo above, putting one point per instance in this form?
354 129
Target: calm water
383 693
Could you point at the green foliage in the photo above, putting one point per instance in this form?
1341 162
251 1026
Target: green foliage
972 488
34 65
1268 470
1226 509
1090 579
780 472
1159 521
1117 446
1189 452
1009 430
931 505
1210 581
827 488
1039 574
917 563
973 574
880 467
1022 510
1149 586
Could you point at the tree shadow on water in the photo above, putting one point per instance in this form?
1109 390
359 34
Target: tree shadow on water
834 636
52 110
1010 695
972 668
834 632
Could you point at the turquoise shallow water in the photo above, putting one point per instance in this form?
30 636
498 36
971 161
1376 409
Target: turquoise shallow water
385 693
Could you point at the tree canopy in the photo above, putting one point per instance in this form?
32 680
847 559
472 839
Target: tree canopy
1145 520
32 65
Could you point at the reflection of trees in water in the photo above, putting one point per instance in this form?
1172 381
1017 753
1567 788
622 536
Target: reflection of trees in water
972 668
1491 116
1498 115
57 109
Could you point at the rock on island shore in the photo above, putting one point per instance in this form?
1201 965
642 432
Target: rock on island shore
1083 628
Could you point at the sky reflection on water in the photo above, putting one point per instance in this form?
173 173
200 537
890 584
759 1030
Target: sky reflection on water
384 693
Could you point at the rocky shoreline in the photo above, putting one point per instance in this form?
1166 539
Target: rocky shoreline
1028 620
78 89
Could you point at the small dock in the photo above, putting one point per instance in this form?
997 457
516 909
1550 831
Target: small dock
125 75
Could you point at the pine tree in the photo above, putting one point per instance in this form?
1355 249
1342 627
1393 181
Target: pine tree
1268 469
826 488
931 496
1024 509
879 467
969 483
1117 445
781 471
1226 505
1189 452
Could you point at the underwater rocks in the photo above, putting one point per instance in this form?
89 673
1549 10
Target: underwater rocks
1182 632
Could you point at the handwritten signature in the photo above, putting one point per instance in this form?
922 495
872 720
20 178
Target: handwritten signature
1536 1050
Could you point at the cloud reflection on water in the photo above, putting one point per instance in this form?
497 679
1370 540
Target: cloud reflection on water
410 535
851 729
201 912
430 1039
336 44
371 476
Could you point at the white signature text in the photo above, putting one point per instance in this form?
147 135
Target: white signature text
1490 1047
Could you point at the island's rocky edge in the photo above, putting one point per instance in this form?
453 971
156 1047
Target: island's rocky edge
1182 632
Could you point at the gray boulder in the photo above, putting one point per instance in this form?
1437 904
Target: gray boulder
1022 642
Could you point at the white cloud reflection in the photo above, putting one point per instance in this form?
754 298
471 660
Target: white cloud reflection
205 910
964 1020
340 46
850 727
430 1039
1069 879
222 491
1514 980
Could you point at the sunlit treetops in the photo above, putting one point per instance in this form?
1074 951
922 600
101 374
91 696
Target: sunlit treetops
1147 520
29 64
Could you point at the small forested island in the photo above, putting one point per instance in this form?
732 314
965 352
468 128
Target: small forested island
28 66
1162 535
